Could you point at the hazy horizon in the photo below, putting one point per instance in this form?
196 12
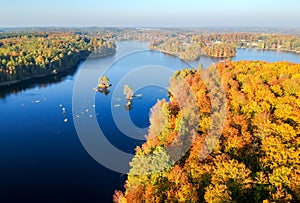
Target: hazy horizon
133 13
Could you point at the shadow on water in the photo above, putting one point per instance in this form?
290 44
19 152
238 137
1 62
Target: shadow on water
43 82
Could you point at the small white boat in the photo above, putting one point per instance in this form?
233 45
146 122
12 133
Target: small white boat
138 95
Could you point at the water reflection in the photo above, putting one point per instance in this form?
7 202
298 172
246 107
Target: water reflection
42 83
104 91
128 106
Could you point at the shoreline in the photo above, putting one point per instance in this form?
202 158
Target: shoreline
224 57
13 82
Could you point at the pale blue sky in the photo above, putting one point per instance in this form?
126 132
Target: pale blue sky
150 13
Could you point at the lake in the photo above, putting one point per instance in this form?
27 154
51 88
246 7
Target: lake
42 156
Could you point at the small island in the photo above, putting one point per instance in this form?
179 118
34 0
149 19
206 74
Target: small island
128 92
103 85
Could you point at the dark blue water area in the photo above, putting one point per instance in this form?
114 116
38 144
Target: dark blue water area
140 112
42 158
139 115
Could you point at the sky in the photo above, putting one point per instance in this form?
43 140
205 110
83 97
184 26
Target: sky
150 13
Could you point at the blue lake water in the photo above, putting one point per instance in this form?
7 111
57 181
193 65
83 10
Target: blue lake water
269 56
42 157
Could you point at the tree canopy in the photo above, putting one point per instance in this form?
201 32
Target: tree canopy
26 55
257 157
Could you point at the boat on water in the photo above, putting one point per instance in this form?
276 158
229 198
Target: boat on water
138 95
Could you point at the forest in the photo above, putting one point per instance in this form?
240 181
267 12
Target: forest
191 46
256 157
24 55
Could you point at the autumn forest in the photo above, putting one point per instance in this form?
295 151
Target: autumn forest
256 158
28 55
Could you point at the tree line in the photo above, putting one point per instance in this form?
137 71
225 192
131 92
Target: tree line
26 55
192 46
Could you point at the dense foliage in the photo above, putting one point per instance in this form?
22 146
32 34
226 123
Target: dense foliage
26 55
257 156
192 46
